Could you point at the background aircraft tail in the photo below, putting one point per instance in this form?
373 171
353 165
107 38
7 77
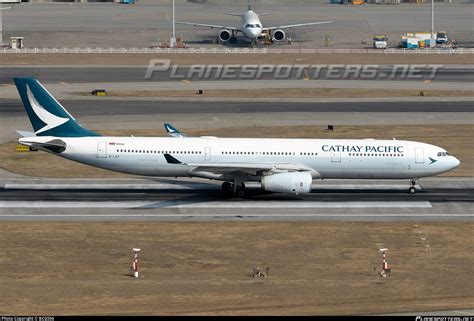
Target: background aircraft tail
48 117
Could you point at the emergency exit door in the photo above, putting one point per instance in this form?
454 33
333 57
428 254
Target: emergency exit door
336 157
207 153
419 155
101 149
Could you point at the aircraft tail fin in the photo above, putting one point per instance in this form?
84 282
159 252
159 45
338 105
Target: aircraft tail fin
172 131
47 116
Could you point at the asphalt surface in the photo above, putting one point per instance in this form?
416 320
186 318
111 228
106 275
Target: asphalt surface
78 108
107 74
202 201
146 22
254 194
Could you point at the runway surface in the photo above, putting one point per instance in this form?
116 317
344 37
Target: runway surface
108 74
14 107
79 201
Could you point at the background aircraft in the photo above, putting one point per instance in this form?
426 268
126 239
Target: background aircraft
251 27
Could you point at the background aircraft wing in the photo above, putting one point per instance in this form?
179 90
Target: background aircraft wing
232 14
298 25
195 24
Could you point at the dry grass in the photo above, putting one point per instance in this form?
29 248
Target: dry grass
205 268
456 138
289 93
187 59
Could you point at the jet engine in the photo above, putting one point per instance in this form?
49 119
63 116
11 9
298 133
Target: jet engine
279 35
290 182
224 35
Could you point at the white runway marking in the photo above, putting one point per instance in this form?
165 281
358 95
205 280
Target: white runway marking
217 204
291 215
176 186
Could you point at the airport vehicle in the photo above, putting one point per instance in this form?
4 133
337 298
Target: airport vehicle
281 165
251 27
441 37
380 42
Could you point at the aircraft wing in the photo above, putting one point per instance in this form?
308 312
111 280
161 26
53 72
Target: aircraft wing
232 14
195 24
240 167
297 25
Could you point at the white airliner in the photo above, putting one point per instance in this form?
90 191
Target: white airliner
281 165
251 27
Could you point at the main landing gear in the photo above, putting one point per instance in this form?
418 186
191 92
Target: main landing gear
230 189
412 189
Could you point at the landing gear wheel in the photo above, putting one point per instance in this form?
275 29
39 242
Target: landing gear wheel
226 186
412 190
240 192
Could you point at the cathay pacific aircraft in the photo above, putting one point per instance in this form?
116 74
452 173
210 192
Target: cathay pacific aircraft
280 165
251 27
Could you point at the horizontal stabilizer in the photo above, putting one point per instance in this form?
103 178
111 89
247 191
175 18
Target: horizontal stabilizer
54 145
24 133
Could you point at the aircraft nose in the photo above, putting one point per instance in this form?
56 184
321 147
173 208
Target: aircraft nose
255 32
456 162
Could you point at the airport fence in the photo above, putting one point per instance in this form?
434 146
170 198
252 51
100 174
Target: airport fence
233 51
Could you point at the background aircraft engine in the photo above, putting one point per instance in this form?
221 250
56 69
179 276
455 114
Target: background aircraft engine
224 35
279 35
293 182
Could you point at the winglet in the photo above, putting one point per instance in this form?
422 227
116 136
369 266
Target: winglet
171 160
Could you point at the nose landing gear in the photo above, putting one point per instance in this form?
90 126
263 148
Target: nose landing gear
412 189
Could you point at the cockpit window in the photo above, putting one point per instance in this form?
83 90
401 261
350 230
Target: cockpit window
252 26
442 154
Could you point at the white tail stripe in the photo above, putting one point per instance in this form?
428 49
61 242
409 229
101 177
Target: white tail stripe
46 117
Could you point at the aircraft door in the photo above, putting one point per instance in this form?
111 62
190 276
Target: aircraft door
336 157
101 150
419 155
207 153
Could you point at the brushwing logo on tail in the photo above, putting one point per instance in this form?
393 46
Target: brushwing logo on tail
51 121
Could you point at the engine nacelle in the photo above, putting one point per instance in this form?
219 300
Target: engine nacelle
224 35
279 35
292 182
